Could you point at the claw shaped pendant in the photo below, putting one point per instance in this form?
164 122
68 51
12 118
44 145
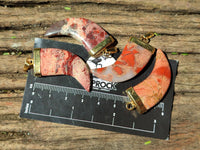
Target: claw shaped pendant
52 61
149 92
95 39
134 57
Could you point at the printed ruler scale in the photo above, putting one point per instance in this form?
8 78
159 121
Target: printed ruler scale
48 88
61 99
82 92
76 91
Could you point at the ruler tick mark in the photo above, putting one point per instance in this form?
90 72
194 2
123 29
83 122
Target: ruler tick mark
92 118
113 119
26 108
31 86
133 125
98 102
114 105
66 97
50 112
72 112
154 125
162 106
29 109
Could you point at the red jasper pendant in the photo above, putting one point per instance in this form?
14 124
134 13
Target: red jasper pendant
149 92
52 61
134 57
95 39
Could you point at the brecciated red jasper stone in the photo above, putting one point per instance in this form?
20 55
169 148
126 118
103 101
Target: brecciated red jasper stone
84 30
61 62
154 87
131 61
93 37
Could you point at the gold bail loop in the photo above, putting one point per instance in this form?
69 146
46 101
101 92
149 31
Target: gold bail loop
148 36
110 51
130 106
135 101
28 64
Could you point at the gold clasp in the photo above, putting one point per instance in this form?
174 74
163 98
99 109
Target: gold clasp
148 36
28 64
104 47
110 51
135 101
130 105
33 63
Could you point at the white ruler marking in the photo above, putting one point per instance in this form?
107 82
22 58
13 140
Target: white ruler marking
92 93
113 119
122 127
79 91
72 112
92 119
50 112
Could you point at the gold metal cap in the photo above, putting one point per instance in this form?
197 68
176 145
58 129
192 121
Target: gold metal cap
102 48
135 102
144 40
36 60
28 64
